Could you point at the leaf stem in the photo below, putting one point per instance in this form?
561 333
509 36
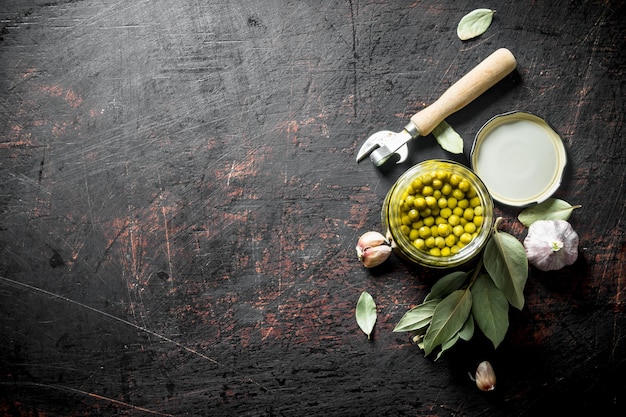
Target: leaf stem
476 272
496 224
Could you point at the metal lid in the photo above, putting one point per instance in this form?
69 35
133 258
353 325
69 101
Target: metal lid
519 157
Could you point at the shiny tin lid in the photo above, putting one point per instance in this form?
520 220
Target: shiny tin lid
519 157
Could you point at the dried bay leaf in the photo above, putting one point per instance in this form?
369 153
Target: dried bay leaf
490 309
449 317
448 138
551 209
366 313
418 317
446 284
506 263
474 24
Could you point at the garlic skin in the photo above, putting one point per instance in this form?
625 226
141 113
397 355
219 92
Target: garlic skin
551 244
372 249
485 377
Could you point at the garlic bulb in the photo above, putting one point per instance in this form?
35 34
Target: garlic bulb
551 244
373 249
485 377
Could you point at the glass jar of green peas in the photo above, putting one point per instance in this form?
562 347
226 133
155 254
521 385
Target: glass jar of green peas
438 214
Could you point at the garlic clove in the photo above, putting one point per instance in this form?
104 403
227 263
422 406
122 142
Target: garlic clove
372 249
375 256
371 239
485 377
551 244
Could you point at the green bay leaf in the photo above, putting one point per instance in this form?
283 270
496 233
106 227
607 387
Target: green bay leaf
467 331
551 209
417 318
490 309
474 24
448 318
446 284
505 261
448 344
366 313
448 138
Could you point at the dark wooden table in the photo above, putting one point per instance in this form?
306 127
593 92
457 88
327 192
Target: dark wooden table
180 204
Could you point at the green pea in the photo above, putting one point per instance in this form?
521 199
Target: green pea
455 179
465 238
419 203
465 186
424 232
458 194
451 240
442 175
444 229
470 228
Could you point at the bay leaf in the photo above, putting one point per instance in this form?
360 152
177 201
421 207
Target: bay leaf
467 331
448 318
505 260
366 313
490 309
474 24
446 284
417 318
551 209
448 344
448 138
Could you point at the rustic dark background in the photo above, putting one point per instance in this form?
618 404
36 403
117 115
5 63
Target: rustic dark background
180 203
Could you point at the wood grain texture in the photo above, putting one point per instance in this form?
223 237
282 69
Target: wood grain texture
180 205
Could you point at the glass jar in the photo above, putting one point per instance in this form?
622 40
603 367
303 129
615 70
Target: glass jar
455 188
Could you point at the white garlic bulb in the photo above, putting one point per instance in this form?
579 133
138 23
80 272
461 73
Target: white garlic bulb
551 244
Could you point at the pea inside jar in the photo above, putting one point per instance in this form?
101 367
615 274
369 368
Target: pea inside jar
438 214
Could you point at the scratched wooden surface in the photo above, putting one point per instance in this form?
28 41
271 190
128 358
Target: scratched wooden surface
180 204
